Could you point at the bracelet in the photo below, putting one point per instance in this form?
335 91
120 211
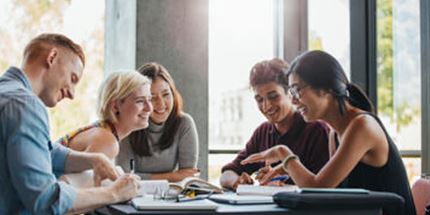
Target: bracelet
288 159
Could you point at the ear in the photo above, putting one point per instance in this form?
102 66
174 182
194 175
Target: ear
52 57
115 107
323 93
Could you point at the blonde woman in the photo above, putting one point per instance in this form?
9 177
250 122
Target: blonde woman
124 106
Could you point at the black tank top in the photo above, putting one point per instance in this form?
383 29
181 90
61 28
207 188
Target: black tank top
391 177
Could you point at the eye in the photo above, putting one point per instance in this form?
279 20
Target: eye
273 96
258 99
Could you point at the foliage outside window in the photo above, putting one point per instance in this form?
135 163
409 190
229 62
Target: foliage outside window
83 22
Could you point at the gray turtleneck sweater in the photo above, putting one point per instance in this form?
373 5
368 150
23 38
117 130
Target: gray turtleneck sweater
183 153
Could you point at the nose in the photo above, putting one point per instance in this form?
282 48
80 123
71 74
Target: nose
71 93
148 106
265 105
157 102
68 93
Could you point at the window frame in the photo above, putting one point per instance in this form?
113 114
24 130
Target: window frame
363 56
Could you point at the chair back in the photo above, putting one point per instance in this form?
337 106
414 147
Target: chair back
421 195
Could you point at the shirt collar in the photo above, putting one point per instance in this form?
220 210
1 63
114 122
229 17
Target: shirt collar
297 126
16 73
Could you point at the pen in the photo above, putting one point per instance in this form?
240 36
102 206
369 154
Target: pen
132 166
280 178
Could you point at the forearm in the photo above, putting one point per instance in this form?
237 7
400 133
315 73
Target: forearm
92 198
228 179
175 176
80 161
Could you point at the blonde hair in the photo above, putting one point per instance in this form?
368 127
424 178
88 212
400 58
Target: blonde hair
117 86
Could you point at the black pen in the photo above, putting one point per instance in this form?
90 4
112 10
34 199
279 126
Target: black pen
132 166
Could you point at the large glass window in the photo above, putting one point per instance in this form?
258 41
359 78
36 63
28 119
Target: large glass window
80 20
398 75
241 33
328 29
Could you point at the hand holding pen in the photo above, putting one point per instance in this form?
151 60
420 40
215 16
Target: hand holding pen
271 176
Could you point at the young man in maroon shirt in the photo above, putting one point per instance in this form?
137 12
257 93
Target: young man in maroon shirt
284 126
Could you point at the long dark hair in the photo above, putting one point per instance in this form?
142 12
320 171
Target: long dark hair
139 139
320 70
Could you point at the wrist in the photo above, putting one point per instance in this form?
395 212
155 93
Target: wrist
284 152
287 160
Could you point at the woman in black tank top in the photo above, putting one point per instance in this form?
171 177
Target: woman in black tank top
364 156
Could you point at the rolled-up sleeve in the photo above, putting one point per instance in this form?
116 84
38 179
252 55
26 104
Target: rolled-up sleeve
31 160
58 158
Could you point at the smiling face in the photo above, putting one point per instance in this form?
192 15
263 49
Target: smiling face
311 104
273 102
162 100
63 74
135 109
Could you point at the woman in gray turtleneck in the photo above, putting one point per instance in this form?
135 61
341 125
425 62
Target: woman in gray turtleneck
168 148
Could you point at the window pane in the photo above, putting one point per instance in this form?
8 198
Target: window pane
413 168
399 79
216 162
236 42
328 23
80 20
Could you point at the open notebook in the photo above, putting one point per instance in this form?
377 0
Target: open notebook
147 202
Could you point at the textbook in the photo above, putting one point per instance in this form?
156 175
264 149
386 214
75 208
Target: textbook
246 189
196 184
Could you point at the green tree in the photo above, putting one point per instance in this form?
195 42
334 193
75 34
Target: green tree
402 114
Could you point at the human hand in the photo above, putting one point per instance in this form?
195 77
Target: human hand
276 171
187 172
125 188
103 169
269 156
244 178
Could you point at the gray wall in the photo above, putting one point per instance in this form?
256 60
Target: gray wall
173 33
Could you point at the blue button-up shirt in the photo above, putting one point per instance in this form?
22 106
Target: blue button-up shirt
29 163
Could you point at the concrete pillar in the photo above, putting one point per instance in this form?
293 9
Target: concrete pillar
173 33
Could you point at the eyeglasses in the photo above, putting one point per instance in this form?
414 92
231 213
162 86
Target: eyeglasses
295 91
172 194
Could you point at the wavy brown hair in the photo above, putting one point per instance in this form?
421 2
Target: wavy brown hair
139 139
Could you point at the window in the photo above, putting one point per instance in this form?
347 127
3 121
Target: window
236 42
80 20
399 76
328 29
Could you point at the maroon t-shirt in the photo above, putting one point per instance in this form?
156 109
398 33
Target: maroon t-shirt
309 141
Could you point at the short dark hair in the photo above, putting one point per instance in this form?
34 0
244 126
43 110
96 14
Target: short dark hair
32 49
268 71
